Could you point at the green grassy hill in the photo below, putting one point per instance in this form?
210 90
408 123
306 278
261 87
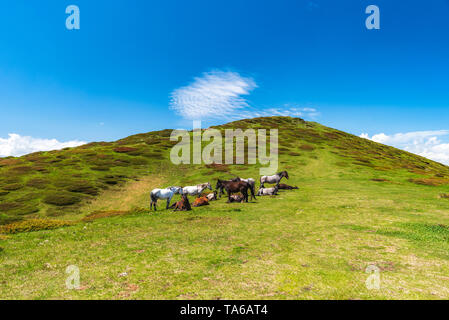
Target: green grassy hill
360 203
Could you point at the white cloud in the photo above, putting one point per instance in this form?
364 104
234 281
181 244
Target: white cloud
17 145
220 95
428 144
214 95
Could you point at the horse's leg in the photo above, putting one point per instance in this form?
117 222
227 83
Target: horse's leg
245 194
154 205
229 196
279 180
168 201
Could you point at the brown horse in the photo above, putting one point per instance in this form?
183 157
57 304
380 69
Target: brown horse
199 202
252 185
283 186
234 187
182 205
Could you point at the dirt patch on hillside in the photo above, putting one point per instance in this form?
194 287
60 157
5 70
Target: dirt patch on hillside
126 197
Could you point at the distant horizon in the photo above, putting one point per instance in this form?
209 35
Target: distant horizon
380 138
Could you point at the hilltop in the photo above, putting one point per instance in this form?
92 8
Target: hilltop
57 183
360 203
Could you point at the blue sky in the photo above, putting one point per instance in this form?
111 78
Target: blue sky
119 73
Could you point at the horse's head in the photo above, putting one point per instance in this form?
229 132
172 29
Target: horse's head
209 186
176 189
285 174
219 184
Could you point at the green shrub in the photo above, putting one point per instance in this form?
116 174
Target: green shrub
17 208
8 206
83 187
124 149
62 199
307 147
435 182
38 183
12 187
100 168
79 186
33 225
138 161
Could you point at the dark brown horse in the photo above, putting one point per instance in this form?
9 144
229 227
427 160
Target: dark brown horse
252 185
283 186
234 187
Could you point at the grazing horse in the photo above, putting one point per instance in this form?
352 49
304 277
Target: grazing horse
268 191
212 196
252 184
182 205
273 179
199 202
283 186
234 187
166 193
196 190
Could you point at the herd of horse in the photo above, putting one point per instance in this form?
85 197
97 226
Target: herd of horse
237 190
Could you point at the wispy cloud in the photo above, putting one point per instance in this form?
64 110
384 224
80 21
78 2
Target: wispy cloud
214 95
17 145
428 144
221 95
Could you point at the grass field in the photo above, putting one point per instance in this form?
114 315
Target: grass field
359 204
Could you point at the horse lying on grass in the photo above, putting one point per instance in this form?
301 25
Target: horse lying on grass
283 186
212 196
237 198
182 205
199 202
166 193
268 191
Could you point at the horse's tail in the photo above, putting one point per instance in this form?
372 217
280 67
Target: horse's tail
253 191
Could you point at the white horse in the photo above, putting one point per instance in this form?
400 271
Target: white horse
268 191
273 179
196 190
166 193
